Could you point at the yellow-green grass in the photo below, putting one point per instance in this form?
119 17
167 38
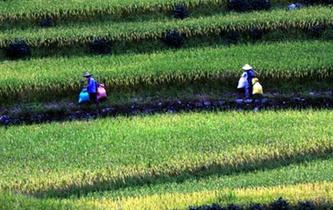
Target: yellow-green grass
75 158
318 170
318 192
152 30
297 182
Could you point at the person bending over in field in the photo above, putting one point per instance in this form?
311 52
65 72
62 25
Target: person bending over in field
257 93
92 86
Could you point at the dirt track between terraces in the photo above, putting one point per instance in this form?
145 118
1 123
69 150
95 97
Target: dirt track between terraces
54 112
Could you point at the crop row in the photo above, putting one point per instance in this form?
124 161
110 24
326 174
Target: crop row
308 172
153 30
319 192
33 10
65 159
274 62
306 196
311 172
14 201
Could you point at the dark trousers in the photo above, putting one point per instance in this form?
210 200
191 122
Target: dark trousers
93 98
257 100
246 91
240 92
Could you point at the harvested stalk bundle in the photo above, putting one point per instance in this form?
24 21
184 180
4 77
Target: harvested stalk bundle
47 22
174 38
18 49
180 12
100 46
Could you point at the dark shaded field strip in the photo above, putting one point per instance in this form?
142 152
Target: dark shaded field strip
175 106
82 46
279 203
153 176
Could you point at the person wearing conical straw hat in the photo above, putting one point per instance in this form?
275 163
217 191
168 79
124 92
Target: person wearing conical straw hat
92 86
249 74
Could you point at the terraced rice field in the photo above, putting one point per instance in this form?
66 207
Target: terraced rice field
134 161
152 30
143 52
278 61
82 8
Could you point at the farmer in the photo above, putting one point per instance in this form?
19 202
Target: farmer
257 93
92 86
249 75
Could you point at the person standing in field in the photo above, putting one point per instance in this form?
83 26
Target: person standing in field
92 86
249 75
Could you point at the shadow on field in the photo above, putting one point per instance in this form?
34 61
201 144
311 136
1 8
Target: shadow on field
152 176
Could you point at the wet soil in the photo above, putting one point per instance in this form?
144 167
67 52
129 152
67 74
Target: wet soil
53 112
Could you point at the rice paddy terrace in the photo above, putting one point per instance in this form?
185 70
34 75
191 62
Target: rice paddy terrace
173 135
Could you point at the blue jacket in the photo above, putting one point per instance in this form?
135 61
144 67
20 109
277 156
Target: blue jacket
92 86
250 76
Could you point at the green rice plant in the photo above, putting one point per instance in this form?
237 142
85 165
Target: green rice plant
285 61
315 191
34 9
302 172
14 201
319 192
61 36
75 158
314 175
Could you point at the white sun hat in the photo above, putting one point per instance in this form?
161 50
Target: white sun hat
247 67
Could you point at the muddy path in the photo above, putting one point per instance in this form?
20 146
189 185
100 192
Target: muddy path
53 112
